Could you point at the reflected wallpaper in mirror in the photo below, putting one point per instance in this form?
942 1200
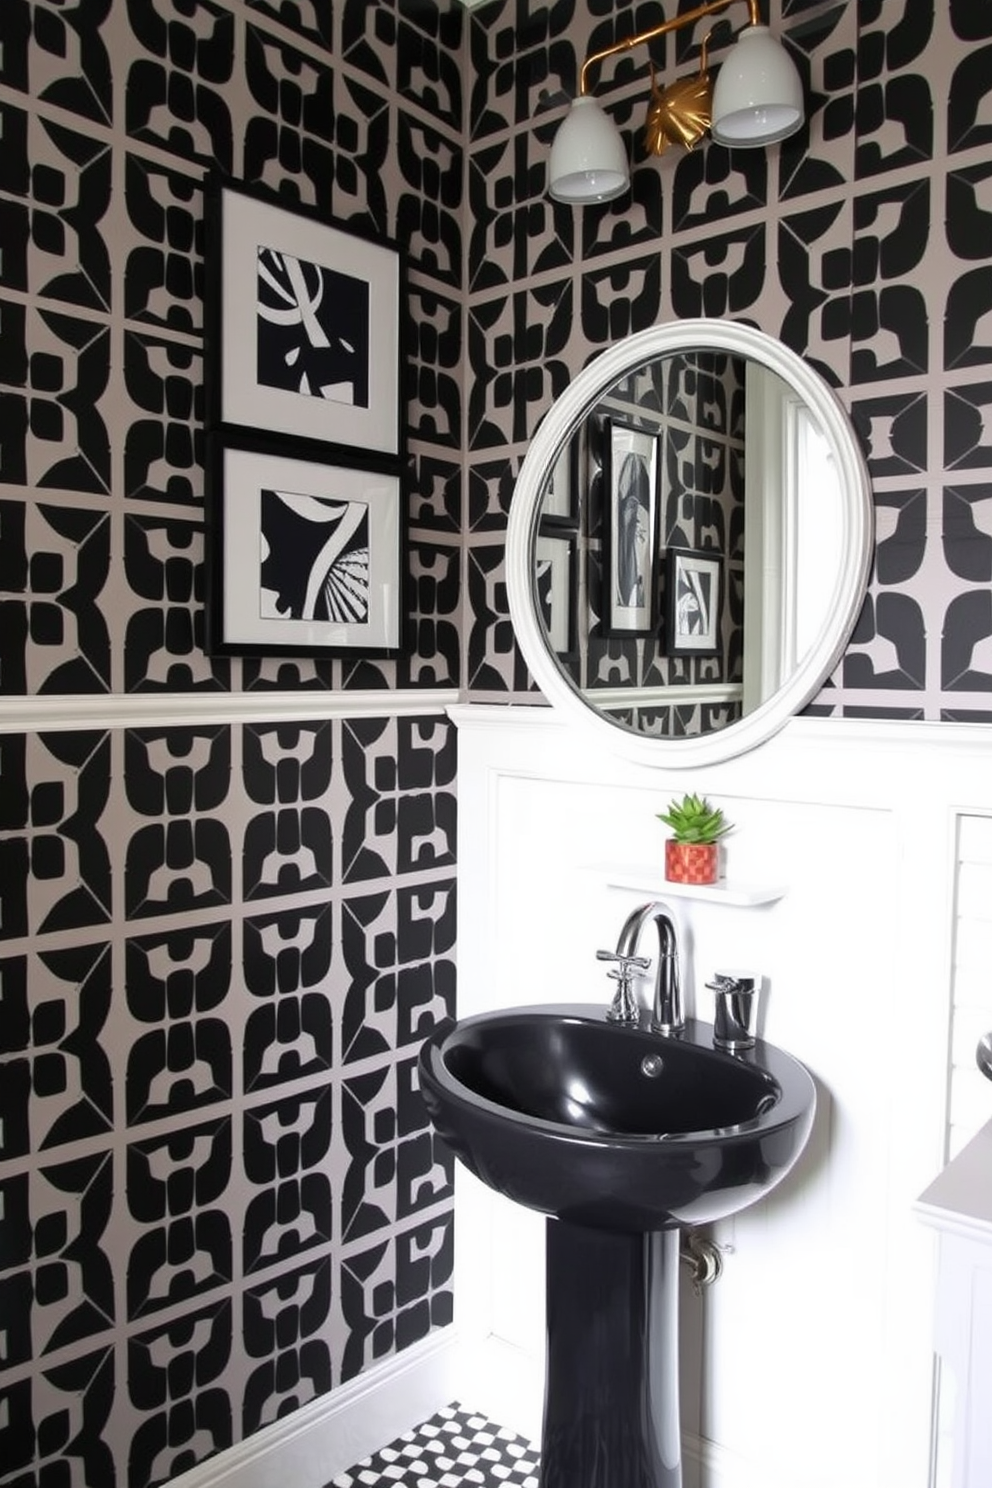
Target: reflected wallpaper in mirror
727 457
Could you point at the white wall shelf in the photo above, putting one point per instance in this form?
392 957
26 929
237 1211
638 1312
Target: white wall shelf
651 881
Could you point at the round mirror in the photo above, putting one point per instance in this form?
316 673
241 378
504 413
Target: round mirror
689 542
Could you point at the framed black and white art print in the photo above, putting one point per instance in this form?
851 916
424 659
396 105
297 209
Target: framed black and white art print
303 324
630 530
304 554
693 587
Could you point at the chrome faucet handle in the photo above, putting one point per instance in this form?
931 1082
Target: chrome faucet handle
624 1007
639 963
724 982
733 1022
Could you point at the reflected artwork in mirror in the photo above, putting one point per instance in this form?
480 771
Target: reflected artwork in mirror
719 537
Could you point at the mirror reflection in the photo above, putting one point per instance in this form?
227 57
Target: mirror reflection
687 542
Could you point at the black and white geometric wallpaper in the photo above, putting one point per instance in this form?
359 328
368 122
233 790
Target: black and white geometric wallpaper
220 943
693 405
219 1193
865 243
112 112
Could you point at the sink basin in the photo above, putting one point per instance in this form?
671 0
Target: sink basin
620 1136
613 1126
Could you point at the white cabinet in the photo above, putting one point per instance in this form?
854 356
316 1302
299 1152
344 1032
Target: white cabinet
959 1205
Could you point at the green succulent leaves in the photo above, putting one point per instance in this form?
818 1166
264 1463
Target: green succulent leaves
693 819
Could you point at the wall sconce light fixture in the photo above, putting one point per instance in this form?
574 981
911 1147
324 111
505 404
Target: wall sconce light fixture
756 100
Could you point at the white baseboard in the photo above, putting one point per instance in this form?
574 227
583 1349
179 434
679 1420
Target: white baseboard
331 1434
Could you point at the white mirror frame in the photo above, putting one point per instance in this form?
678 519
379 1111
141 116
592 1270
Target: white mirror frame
856 545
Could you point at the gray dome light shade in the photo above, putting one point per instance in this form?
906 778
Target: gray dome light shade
758 95
588 162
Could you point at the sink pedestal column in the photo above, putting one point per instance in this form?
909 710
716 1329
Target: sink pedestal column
611 1403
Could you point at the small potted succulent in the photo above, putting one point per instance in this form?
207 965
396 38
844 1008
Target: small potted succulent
692 852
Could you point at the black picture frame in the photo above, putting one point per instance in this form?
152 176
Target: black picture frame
304 553
555 566
561 495
630 486
304 323
694 597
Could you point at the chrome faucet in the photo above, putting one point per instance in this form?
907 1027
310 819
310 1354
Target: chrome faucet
667 1016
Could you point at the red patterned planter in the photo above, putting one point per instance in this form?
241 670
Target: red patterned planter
691 862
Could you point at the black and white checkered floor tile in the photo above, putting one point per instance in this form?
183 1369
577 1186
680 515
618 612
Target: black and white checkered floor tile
454 1449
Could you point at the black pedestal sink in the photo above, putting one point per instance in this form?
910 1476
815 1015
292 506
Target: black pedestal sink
621 1136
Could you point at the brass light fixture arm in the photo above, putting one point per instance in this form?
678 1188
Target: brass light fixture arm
676 24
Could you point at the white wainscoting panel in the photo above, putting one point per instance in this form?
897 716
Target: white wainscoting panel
970 1093
810 1362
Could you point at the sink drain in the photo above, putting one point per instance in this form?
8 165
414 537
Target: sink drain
651 1066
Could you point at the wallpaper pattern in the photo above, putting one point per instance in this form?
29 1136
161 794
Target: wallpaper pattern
691 409
863 242
220 945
